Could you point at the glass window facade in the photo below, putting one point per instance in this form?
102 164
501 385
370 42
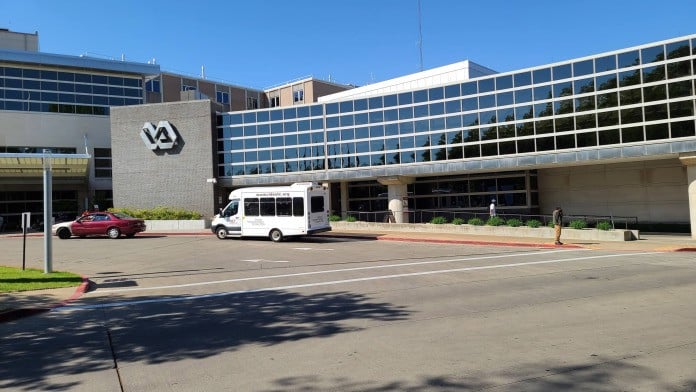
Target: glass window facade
34 90
626 97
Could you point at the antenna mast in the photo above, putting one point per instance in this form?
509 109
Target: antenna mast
420 36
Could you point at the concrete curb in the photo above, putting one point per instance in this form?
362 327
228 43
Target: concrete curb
15 314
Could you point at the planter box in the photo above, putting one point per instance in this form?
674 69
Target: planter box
177 225
503 231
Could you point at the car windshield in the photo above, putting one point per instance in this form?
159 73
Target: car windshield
121 215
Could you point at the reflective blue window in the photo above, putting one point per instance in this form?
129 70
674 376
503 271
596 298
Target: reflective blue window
333 136
436 93
524 95
376 145
250 144
347 120
360 104
249 117
361 119
469 104
347 134
263 116
303 125
346 106
606 63
486 85
584 86
377 131
452 91
316 110
264 129
405 127
628 59
392 143
276 115
264 142
277 128
470 119
362 133
469 88
437 124
405 98
541 75
453 122
406 113
331 108
317 123
420 111
291 153
362 147
454 106
562 89
503 82
562 72
503 99
391 129
582 68
391 115
332 122
278 154
422 125
523 79
390 100
375 102
302 111
250 130
488 117
406 142
437 108
422 140
420 96
376 116
542 92
487 101
303 138
289 113
651 55
678 49
290 126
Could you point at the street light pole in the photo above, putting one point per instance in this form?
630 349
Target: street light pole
48 211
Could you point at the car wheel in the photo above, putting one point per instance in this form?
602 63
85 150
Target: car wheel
221 232
275 235
113 232
64 234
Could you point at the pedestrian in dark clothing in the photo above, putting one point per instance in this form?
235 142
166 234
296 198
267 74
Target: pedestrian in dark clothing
558 223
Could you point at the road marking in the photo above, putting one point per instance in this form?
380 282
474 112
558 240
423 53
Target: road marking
327 249
266 261
333 282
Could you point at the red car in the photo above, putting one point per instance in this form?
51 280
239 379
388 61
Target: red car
112 224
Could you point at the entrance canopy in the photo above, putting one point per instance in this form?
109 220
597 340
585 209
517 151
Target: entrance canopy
25 165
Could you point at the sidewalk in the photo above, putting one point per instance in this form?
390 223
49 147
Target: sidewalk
21 304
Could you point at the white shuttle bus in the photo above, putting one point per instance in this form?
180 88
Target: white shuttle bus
275 212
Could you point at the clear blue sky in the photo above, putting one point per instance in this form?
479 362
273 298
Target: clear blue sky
262 43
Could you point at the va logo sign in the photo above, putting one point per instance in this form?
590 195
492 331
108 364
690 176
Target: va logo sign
163 136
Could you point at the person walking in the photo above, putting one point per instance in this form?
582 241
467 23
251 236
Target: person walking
491 208
558 223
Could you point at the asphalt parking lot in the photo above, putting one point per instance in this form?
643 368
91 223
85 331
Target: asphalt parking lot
355 314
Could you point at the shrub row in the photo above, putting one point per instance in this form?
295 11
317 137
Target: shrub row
159 213
498 221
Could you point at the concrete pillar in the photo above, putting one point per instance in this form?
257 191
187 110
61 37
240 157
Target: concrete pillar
397 192
689 160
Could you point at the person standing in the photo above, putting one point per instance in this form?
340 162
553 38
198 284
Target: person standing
558 223
491 208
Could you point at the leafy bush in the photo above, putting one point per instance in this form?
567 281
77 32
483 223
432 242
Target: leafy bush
495 221
438 220
159 213
533 223
578 224
476 222
350 218
334 218
457 221
604 225
550 224
514 222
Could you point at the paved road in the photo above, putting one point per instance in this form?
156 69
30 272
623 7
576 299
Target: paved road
196 313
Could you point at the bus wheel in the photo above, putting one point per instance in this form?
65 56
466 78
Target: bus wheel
221 232
275 235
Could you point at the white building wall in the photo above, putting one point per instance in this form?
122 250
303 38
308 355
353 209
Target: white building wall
57 130
652 190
